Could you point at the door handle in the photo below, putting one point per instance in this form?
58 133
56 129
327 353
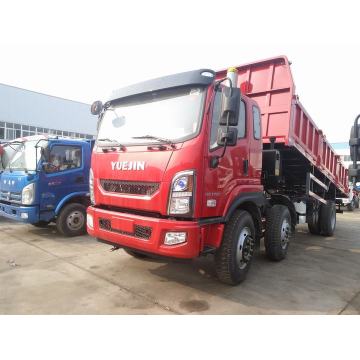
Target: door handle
79 180
246 167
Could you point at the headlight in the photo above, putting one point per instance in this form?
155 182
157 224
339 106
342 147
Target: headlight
28 194
90 221
91 187
182 194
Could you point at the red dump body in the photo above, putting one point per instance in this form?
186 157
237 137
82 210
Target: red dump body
271 85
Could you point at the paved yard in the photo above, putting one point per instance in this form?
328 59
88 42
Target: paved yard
44 273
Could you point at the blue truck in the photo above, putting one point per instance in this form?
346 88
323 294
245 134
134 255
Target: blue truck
45 179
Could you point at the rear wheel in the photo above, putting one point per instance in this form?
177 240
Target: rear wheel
314 222
328 218
277 232
234 257
41 224
356 202
351 206
72 220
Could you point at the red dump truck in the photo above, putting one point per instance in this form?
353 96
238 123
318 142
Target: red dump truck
208 162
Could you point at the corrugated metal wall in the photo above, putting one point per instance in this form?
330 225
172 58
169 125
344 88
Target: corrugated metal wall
31 108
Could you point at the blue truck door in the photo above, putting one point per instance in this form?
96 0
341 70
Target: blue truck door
65 173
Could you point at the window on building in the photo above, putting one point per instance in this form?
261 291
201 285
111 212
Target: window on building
11 131
10 134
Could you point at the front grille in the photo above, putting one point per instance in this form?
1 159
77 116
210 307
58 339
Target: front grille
10 196
129 187
140 232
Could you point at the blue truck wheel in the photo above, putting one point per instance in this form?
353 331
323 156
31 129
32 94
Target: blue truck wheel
72 220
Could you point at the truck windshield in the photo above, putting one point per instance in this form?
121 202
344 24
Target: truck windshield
174 115
25 155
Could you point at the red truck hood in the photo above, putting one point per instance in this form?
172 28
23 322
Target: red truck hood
132 179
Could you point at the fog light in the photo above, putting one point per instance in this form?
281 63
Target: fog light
90 221
179 205
24 215
173 238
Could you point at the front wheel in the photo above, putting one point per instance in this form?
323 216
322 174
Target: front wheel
72 220
278 232
234 257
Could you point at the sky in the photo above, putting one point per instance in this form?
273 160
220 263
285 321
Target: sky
83 50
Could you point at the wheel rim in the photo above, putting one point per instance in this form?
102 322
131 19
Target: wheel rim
285 233
75 220
244 248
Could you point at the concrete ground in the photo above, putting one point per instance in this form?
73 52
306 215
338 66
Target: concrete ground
44 273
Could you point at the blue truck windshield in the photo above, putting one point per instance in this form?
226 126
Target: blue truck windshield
173 114
6 154
25 155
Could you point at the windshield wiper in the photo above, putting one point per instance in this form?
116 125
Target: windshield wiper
112 141
157 138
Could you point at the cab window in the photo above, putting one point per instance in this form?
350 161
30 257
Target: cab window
257 122
63 158
216 118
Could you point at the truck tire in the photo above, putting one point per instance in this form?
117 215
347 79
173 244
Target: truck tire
350 206
41 224
328 218
72 220
314 223
277 232
136 254
356 203
234 257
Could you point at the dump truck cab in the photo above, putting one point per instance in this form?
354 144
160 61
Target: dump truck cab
161 181
45 179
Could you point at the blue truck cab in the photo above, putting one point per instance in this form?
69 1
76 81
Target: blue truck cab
46 179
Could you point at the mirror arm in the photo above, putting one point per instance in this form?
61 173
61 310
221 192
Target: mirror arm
214 161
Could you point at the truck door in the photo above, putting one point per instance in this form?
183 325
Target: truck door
63 174
233 169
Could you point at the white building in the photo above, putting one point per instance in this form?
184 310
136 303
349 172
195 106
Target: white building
343 149
24 112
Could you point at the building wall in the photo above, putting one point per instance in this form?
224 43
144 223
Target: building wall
24 112
343 149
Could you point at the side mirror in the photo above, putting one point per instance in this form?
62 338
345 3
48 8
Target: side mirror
230 105
355 143
229 137
96 107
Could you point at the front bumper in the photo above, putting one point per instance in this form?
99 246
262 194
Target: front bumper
26 214
123 227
